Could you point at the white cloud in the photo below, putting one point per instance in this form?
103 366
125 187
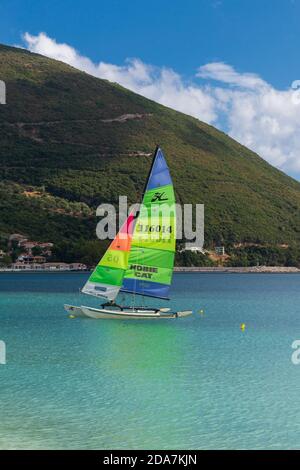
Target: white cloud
267 121
259 116
225 73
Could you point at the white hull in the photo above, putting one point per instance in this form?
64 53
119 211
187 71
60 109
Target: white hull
130 314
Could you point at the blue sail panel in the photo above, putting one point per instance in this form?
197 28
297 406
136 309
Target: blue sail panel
150 289
160 175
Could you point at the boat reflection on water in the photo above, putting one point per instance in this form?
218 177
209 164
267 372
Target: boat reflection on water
143 347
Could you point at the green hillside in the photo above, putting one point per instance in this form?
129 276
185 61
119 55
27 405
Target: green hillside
70 141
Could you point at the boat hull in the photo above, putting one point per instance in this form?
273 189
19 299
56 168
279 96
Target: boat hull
130 314
73 310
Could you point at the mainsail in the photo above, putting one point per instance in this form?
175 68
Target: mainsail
142 262
151 258
106 280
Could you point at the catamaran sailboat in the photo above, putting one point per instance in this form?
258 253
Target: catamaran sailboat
140 260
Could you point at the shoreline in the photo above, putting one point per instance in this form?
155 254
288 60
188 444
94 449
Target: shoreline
181 269
239 270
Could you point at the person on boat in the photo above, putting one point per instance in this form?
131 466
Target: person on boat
111 303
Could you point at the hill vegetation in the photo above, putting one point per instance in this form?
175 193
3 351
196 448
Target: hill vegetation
70 141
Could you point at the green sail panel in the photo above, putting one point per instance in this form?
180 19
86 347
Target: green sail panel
151 258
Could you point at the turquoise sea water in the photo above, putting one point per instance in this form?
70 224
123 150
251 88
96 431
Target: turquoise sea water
189 383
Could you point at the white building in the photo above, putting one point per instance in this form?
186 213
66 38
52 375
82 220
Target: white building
194 249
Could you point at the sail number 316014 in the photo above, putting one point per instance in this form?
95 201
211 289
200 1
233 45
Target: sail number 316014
154 228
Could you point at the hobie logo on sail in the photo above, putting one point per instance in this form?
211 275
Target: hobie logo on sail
159 197
143 271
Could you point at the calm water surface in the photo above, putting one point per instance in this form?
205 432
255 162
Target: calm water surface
190 383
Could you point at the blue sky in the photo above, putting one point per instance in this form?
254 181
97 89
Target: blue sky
260 37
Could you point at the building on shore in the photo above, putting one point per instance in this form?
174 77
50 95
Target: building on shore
28 245
16 238
20 266
77 267
28 259
193 249
220 250
32 255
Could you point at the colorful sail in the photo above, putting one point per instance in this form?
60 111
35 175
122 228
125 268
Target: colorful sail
151 258
106 280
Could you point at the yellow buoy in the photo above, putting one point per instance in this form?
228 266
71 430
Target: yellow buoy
242 326
201 312
71 316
